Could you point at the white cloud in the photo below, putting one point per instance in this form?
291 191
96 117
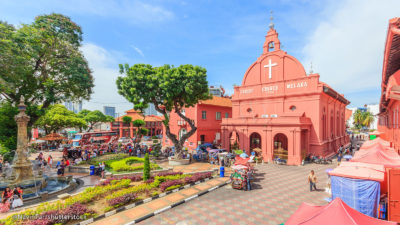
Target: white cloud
347 48
140 52
105 72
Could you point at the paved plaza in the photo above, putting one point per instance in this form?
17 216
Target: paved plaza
279 190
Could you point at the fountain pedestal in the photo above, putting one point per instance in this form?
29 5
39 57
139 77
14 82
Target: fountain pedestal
22 166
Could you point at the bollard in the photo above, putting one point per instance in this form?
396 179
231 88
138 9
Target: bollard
91 170
222 171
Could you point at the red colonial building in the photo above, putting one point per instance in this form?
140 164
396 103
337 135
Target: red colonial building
153 124
207 115
388 122
284 111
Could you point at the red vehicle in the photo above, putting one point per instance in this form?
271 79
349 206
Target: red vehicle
101 137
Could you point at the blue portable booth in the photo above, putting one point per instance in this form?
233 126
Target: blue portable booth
358 185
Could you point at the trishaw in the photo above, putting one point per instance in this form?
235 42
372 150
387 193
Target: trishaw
242 174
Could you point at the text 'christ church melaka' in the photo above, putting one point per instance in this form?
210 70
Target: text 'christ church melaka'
283 111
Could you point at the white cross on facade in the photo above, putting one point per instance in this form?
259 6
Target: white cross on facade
270 65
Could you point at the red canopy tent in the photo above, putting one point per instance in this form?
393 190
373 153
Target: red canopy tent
357 170
334 213
374 142
378 154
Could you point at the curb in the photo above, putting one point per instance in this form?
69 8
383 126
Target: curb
175 204
123 208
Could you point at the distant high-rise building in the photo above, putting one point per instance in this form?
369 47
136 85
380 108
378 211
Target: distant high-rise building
217 90
151 110
109 111
75 107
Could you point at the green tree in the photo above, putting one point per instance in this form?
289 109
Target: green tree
8 128
127 119
146 167
363 119
58 117
368 119
95 117
42 62
357 118
169 88
140 131
83 113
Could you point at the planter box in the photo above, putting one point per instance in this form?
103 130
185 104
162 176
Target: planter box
178 162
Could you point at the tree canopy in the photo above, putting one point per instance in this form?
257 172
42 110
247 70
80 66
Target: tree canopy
127 119
42 62
94 117
363 119
58 117
169 88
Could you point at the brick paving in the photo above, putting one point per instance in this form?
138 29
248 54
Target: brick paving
278 191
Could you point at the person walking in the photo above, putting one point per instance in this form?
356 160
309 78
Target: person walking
50 161
312 179
103 169
339 158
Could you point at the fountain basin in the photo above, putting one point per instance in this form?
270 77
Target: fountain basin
36 191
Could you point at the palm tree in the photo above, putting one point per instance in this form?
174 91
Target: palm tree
368 119
358 118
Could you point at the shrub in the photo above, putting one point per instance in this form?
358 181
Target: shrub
146 167
122 200
168 173
61 216
126 164
173 187
154 137
198 176
167 184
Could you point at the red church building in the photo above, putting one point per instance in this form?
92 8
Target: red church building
388 122
207 115
284 111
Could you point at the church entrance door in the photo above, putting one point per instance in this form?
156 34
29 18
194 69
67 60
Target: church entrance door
255 141
280 146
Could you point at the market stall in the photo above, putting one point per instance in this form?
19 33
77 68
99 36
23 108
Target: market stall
358 185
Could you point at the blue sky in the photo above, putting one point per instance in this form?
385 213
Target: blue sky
344 39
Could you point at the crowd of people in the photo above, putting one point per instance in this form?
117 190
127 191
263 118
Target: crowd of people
11 199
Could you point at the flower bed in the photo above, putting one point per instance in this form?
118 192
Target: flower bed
104 158
129 164
108 195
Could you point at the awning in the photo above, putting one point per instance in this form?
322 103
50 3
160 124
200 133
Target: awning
378 155
358 170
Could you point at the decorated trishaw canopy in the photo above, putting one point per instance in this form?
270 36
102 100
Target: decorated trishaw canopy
334 213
